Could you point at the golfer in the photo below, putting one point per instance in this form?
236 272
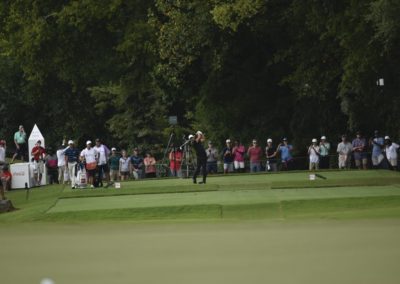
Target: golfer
201 157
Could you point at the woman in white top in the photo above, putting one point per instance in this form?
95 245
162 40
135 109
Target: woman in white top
313 152
61 163
391 152
90 156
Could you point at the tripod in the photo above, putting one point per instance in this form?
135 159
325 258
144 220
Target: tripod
187 161
163 161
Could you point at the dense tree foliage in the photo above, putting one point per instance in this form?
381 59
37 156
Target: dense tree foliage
233 68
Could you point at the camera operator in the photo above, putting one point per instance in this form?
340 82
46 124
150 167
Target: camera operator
38 153
201 157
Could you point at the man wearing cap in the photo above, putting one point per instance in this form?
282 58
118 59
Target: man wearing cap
114 165
90 157
359 151
324 148
391 152
344 149
20 143
38 153
314 153
103 167
212 158
285 150
201 157
227 155
270 152
377 144
254 152
71 160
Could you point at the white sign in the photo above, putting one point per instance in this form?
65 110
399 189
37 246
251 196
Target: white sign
21 175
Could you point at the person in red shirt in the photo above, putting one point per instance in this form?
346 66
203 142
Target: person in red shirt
175 162
38 153
255 152
5 176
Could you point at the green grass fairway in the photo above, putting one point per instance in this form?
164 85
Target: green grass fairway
262 228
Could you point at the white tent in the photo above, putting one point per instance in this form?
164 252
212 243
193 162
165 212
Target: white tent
33 138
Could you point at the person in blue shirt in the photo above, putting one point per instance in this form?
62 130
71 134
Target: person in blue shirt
377 144
136 164
285 150
71 160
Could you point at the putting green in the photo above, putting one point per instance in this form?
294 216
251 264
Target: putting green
217 198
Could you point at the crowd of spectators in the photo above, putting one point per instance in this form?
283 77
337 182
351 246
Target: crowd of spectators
103 165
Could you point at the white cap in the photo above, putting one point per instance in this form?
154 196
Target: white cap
113 149
199 133
70 142
88 142
387 138
323 138
228 141
314 140
269 140
190 136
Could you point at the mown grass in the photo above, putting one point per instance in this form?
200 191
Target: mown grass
271 196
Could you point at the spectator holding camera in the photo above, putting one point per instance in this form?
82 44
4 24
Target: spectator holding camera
285 150
324 148
344 149
238 152
359 145
38 153
270 152
314 154
212 159
377 144
227 154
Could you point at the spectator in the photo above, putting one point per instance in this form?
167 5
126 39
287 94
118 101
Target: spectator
359 145
71 160
377 144
344 149
391 152
201 156
90 157
38 153
314 153
324 148
175 161
227 154
20 144
51 165
114 165
102 166
2 152
136 163
254 152
238 152
270 152
285 150
124 162
150 165
212 159
6 178
61 163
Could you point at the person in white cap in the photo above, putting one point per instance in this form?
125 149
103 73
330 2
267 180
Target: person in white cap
324 148
201 157
270 153
114 165
227 154
71 160
391 152
313 153
90 157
